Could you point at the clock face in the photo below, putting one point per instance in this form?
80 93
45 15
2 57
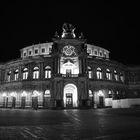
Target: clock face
69 50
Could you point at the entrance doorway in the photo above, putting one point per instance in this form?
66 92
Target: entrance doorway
70 96
23 99
69 100
5 101
101 101
35 102
13 102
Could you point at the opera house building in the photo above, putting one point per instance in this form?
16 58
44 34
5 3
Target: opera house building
68 73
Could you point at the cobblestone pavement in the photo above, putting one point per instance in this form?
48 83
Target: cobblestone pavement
99 124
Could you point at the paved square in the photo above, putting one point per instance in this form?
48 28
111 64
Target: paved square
99 124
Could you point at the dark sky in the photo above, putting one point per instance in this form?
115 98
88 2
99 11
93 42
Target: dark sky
108 24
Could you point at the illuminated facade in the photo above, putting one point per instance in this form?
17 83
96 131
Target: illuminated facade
68 73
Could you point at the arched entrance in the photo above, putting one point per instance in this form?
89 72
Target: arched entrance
35 99
70 96
23 99
99 98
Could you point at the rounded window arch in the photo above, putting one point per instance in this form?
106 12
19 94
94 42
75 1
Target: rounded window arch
99 73
47 93
89 72
108 74
9 76
25 73
35 73
47 72
89 68
47 67
16 74
122 77
90 93
116 75
35 68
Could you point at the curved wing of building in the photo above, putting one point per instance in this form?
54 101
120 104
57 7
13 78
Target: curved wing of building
67 73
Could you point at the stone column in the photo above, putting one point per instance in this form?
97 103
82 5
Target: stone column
80 66
20 73
41 71
30 72
94 73
104 74
58 68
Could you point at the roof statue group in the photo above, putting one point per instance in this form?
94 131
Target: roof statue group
68 31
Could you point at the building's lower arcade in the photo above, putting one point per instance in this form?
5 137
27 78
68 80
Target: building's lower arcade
70 97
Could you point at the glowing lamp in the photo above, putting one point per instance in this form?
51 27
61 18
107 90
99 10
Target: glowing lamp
13 94
24 94
4 95
100 93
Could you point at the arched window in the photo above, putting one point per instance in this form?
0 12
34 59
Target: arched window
9 76
89 72
89 51
25 73
90 93
108 74
47 93
121 77
47 72
116 75
35 73
16 74
110 94
99 73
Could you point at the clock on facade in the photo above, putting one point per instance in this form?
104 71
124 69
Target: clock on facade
69 50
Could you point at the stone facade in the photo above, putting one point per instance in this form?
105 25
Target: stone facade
68 73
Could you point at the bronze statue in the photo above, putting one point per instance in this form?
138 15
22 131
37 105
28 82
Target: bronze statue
68 31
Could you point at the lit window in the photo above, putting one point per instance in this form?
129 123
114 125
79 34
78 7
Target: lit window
95 52
24 54
30 52
43 50
116 76
16 74
105 54
35 73
47 93
89 51
90 93
50 49
121 77
36 51
47 72
99 73
25 73
89 72
101 54
9 76
110 94
108 74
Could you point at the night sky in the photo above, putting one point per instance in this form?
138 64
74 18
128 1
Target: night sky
108 24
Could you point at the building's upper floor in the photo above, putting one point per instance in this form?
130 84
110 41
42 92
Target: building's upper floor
45 49
42 69
37 62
